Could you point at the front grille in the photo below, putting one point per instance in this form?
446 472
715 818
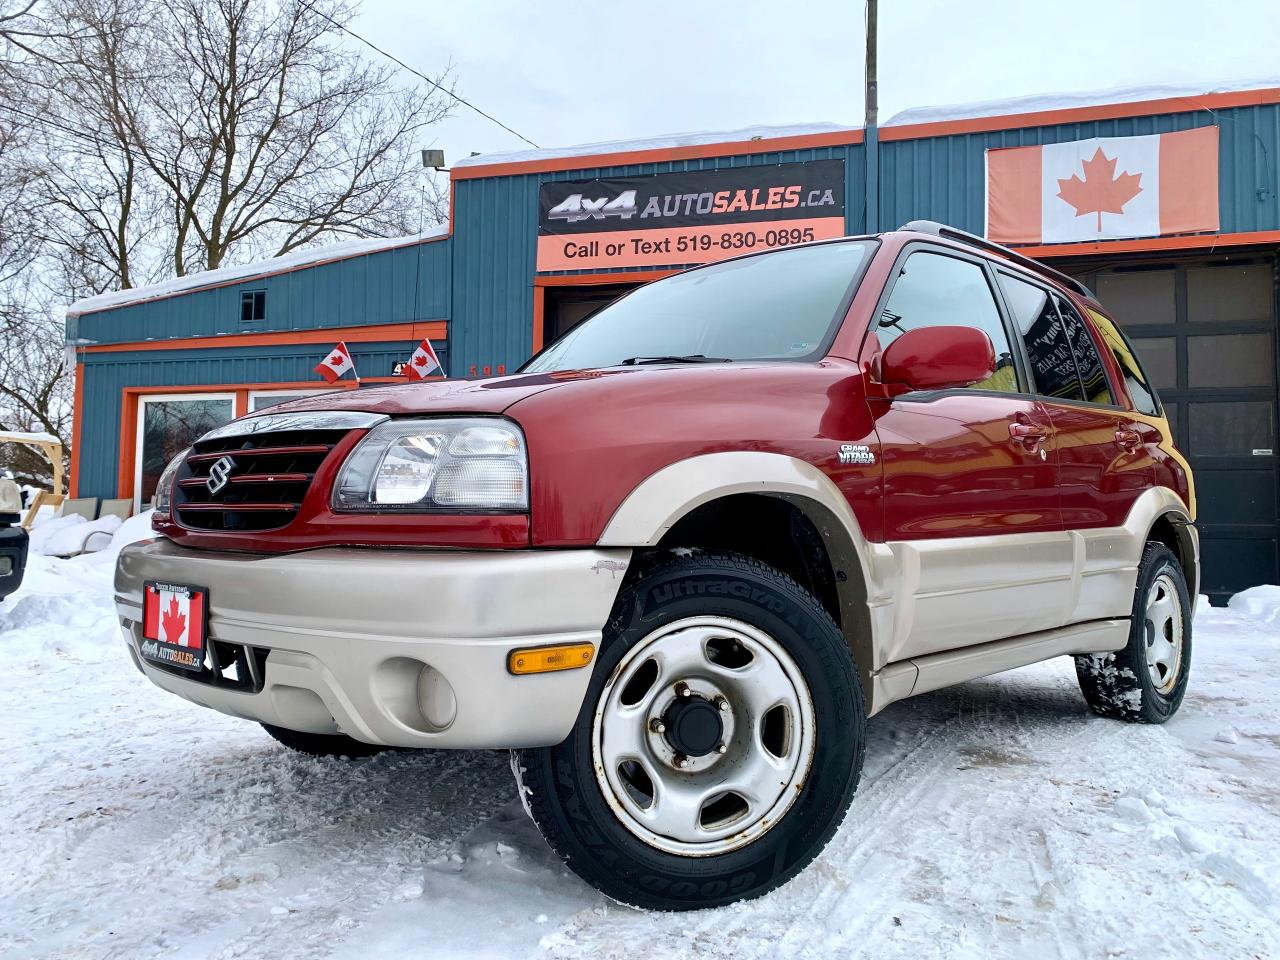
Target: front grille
269 475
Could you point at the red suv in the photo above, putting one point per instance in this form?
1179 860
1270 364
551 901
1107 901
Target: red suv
678 560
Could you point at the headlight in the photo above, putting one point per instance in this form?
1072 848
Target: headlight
455 465
162 499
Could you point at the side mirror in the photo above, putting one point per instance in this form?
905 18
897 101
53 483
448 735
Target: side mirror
935 358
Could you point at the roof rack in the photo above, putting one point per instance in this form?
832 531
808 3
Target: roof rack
936 229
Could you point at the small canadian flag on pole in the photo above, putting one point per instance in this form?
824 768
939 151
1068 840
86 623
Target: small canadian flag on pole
336 363
423 362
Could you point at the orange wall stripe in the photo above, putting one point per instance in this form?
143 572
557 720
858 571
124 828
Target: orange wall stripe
77 412
910 131
128 443
539 318
1205 241
1101 111
836 138
590 279
370 333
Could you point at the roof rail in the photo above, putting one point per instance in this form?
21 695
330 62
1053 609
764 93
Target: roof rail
935 229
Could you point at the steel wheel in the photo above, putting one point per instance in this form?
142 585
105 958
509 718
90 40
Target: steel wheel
1163 622
703 736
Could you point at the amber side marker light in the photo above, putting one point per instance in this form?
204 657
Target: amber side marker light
569 656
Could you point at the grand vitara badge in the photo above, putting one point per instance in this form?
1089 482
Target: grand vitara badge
219 473
856 453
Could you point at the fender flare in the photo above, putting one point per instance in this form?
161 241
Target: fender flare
660 501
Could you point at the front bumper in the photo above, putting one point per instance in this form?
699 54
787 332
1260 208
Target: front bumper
395 647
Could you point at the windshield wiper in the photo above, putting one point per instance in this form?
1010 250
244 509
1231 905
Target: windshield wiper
686 358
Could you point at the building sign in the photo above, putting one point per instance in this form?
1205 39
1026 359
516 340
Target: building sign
673 219
1104 189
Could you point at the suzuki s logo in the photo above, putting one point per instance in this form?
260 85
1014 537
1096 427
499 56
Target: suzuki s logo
219 473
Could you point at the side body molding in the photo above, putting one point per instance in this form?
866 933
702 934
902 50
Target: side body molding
900 602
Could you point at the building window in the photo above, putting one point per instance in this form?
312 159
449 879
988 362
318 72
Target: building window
253 307
167 425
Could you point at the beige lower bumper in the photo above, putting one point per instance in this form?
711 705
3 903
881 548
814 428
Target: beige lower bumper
403 648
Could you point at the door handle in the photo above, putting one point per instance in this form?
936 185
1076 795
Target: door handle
1029 434
1128 439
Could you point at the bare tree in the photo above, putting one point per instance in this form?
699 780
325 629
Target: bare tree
140 139
223 130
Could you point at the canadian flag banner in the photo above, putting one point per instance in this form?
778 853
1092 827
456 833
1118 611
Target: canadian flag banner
423 362
1107 188
174 616
336 363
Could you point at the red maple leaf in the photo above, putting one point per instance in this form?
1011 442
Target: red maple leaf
1101 191
175 624
419 361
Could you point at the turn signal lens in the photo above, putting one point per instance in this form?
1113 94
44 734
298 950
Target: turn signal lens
570 656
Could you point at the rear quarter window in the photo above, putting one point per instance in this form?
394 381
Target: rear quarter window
1136 381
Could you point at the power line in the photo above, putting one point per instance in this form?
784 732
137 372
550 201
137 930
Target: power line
417 73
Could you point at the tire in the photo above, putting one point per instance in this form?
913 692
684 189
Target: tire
728 628
323 744
1126 685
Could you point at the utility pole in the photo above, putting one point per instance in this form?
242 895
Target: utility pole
871 128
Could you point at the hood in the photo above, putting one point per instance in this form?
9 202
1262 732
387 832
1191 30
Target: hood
490 395
641 385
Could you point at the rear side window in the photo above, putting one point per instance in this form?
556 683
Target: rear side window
933 290
1045 337
1136 382
1093 378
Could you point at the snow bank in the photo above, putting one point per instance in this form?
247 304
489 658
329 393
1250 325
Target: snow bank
64 609
72 534
700 138
1038 103
249 271
1259 603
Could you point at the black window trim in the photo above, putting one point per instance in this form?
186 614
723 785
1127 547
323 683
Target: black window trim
253 297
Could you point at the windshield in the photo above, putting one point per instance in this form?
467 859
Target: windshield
777 306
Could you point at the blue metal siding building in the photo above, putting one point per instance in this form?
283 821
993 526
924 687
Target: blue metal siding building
474 288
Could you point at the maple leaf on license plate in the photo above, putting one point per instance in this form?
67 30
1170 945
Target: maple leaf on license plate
173 624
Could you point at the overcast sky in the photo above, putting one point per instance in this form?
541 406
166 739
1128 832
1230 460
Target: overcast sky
565 73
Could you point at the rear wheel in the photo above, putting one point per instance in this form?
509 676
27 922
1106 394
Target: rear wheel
323 744
719 744
1145 682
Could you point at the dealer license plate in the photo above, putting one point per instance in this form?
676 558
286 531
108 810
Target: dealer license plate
174 617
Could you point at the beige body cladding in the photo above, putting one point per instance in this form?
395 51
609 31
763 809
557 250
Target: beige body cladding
924 614
409 648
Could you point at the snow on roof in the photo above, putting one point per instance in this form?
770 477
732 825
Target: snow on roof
25 436
250 271
654 143
1038 103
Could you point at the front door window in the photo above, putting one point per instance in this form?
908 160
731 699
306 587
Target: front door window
168 425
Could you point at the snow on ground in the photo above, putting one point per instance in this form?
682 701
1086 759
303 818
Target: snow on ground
995 819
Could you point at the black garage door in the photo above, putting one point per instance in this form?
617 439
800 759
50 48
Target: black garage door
1206 332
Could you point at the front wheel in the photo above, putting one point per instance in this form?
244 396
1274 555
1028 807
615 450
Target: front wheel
719 744
1145 682
323 744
